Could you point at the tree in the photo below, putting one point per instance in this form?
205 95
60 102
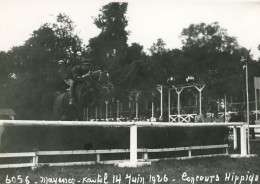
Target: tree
111 44
158 47
6 75
208 37
37 64
135 52
215 58
69 49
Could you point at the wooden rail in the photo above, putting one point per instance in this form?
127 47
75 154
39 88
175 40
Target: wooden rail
133 130
112 124
35 155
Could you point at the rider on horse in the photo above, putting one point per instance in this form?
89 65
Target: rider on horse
76 74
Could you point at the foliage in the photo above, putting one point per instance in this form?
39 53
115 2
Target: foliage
215 58
158 47
110 45
31 72
37 64
6 74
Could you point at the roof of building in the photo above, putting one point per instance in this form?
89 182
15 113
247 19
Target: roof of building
7 112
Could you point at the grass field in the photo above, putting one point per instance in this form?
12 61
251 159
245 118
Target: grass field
197 170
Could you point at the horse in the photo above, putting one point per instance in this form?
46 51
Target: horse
88 91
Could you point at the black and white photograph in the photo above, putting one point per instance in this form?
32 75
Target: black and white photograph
130 92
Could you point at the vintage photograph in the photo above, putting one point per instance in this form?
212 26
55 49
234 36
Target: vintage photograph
129 92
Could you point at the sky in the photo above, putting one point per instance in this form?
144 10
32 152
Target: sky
148 19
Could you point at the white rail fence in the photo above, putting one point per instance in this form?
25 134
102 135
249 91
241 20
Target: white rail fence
133 162
145 158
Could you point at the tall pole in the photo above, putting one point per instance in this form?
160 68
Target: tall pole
256 112
160 89
200 101
247 107
225 108
179 109
169 104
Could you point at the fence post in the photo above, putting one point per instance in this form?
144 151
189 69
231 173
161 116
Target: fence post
243 140
133 145
235 137
98 158
145 156
189 152
35 161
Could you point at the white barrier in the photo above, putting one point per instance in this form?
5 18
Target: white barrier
133 130
35 156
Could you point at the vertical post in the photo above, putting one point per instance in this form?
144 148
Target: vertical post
247 109
100 112
160 89
169 104
235 137
243 139
179 109
35 161
96 114
256 113
259 96
146 156
106 108
178 91
161 102
225 108
152 110
136 111
133 145
189 151
98 158
200 89
117 109
87 113
200 101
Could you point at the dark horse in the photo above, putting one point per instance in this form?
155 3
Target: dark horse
87 92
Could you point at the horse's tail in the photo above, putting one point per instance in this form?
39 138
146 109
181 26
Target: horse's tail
57 105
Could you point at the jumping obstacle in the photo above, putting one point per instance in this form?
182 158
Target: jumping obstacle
133 162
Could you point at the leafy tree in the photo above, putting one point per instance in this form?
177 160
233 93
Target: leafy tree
158 47
69 49
135 52
111 44
208 37
37 64
215 58
6 75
